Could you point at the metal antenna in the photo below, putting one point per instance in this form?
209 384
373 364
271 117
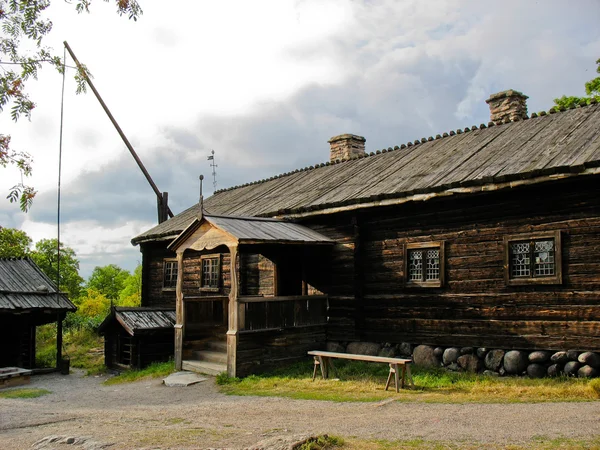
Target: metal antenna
201 196
214 166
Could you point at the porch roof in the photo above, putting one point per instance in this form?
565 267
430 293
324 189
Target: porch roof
255 230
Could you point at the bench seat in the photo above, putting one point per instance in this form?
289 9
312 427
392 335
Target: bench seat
323 359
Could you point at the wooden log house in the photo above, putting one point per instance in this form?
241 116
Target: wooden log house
28 299
486 236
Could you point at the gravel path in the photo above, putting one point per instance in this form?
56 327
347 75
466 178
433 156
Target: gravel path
148 414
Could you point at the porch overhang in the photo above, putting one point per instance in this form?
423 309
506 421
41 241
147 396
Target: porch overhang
208 232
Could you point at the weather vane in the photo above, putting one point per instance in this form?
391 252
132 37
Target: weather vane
214 167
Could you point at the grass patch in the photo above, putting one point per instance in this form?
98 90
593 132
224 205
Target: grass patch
534 444
154 370
24 393
83 346
361 381
324 442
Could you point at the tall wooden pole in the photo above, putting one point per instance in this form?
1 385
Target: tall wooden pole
83 73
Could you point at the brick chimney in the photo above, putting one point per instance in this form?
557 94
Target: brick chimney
346 146
509 104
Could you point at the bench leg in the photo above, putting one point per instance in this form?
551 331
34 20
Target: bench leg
410 378
324 368
403 375
316 360
387 384
397 375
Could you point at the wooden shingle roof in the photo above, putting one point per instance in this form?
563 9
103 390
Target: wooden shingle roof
539 148
138 320
24 287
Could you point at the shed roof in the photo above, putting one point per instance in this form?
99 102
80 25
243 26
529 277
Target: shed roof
538 149
23 286
141 320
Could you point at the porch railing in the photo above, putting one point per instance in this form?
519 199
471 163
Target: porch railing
264 313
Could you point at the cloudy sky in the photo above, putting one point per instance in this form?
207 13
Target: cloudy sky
265 84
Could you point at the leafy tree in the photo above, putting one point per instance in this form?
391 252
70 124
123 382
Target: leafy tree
108 280
45 256
93 304
131 294
23 27
14 243
592 89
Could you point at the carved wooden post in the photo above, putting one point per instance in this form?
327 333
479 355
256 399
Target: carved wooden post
234 326
179 317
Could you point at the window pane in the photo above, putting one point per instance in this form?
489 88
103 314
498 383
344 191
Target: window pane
170 274
415 265
433 265
544 258
210 272
520 259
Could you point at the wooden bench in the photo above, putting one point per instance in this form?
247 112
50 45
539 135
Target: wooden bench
323 359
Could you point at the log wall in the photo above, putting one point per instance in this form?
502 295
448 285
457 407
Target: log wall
153 293
475 307
259 351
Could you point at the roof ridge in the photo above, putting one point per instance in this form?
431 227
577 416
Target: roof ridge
553 110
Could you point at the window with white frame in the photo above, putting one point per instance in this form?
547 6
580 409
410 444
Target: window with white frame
533 258
424 263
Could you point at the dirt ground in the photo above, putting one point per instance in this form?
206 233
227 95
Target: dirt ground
149 415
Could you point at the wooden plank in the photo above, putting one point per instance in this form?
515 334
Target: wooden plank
380 359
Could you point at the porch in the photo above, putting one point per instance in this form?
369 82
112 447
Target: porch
251 294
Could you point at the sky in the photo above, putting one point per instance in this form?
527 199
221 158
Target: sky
265 84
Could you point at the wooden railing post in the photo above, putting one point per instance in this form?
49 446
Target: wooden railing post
179 316
234 316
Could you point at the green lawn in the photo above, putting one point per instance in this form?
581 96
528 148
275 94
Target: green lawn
360 381
154 370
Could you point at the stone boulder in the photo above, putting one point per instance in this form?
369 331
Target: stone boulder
336 347
493 360
424 356
536 371
491 373
554 370
450 355
571 368
587 372
470 363
515 362
363 348
539 357
438 352
573 355
453 367
559 358
481 352
467 350
590 359
388 352
405 349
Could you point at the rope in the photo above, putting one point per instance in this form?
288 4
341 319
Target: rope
62 108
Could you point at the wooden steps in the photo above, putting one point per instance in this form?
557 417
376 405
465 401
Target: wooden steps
210 358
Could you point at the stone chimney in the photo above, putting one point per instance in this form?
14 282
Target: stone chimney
346 146
509 104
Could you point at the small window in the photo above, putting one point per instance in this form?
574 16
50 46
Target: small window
211 273
424 264
533 259
170 274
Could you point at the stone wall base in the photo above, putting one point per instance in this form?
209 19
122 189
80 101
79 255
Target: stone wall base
492 362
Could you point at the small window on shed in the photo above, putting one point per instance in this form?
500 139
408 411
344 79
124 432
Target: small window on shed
170 274
211 273
533 258
424 263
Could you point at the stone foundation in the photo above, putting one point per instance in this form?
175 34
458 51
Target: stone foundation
492 362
